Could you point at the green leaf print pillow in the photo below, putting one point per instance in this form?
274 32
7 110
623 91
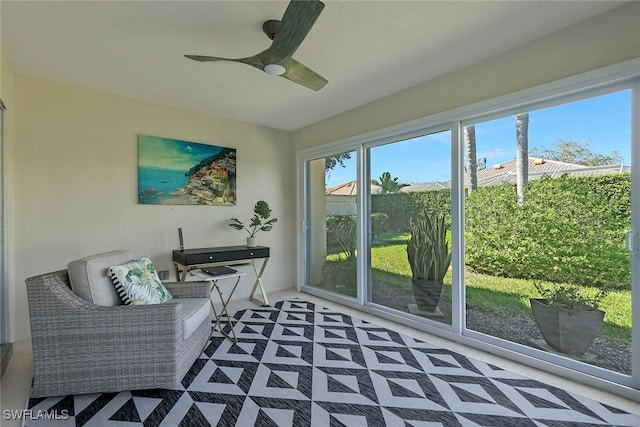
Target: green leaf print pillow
138 283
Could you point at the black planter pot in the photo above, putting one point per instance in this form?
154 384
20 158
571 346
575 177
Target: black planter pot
567 331
426 293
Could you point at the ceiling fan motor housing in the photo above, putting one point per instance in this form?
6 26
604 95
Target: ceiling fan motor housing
271 28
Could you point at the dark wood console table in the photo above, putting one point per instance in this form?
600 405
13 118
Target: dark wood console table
190 259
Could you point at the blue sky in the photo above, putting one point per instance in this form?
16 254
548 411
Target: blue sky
168 153
604 122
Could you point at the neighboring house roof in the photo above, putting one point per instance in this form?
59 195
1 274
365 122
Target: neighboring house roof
497 174
350 189
426 186
539 167
536 165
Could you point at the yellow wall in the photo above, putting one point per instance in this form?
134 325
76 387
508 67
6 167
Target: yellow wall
604 40
74 185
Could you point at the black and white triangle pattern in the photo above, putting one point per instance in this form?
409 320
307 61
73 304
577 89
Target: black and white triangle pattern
297 364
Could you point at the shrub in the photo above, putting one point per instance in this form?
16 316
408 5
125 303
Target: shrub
340 276
378 223
341 231
573 226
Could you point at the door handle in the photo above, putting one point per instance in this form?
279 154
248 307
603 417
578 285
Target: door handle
629 240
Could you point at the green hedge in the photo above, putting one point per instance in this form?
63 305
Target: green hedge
569 228
399 207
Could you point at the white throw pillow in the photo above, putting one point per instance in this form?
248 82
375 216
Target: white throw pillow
138 283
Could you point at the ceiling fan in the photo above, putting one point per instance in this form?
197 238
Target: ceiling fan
287 35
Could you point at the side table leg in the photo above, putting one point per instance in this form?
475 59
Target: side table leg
215 315
225 312
258 283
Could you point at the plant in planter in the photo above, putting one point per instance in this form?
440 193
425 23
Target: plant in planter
429 258
261 221
568 319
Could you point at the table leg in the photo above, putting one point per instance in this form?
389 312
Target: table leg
258 283
181 272
224 311
177 271
215 315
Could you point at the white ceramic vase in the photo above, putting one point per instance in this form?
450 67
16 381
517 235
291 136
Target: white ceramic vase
252 242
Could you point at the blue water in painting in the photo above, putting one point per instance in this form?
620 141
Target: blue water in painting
156 184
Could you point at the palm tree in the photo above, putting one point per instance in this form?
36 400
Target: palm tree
470 153
522 155
390 185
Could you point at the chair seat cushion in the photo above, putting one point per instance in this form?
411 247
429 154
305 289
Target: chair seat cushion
89 278
194 312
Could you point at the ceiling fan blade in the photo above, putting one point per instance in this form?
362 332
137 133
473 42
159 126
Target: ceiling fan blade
202 58
299 73
254 61
296 23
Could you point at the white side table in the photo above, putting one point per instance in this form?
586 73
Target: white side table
213 281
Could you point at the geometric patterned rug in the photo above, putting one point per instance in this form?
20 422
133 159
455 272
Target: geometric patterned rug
297 364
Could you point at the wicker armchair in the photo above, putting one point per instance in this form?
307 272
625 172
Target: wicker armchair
80 347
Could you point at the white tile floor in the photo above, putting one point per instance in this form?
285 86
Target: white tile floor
17 379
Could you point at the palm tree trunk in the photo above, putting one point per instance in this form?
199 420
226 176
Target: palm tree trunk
522 155
470 153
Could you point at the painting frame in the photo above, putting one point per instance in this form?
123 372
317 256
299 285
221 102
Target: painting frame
178 172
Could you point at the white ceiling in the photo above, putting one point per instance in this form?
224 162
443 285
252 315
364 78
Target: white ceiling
366 49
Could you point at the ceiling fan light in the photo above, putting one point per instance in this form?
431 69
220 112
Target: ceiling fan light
274 69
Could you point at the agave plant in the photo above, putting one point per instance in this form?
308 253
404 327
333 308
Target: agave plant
427 248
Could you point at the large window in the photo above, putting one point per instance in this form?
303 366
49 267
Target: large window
503 223
547 207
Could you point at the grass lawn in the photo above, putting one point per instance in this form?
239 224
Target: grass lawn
489 293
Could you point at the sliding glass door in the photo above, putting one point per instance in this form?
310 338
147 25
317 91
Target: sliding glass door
496 224
410 188
547 209
331 224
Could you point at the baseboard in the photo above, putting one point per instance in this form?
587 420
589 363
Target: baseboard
6 352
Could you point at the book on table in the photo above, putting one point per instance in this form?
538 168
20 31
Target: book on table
218 271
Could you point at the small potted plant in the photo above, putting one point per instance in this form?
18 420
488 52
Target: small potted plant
568 318
261 221
429 258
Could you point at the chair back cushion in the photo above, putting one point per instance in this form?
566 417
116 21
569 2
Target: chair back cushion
89 278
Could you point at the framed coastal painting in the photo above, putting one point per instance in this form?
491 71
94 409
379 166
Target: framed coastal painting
175 172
